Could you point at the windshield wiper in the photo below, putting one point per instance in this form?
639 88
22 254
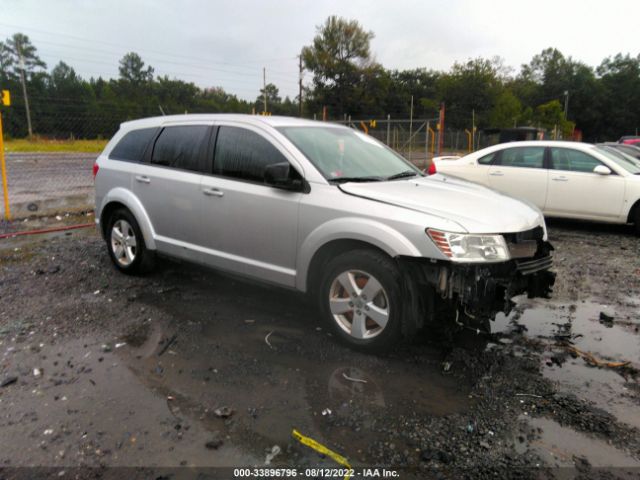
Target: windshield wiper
406 173
355 179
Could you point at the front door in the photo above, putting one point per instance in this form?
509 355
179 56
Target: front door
520 173
247 226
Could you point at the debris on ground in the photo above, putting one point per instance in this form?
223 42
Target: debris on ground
321 449
215 442
223 412
167 344
6 381
352 379
591 360
266 340
275 450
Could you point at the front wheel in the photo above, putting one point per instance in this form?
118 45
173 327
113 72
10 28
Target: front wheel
360 296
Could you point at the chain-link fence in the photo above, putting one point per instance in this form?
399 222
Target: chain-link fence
418 140
60 184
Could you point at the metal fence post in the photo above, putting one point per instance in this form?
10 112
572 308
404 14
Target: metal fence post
3 167
388 130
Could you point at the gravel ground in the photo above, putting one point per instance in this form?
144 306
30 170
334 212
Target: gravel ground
188 367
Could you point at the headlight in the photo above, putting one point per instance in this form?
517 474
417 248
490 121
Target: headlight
462 247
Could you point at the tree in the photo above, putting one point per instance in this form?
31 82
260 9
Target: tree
20 61
551 116
273 98
18 53
471 87
132 70
620 84
506 111
550 75
339 53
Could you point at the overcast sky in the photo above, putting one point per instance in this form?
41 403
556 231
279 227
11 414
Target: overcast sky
216 43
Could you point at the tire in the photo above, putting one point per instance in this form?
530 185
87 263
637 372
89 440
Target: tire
125 244
365 315
636 221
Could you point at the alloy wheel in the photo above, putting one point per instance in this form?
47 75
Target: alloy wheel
123 243
359 304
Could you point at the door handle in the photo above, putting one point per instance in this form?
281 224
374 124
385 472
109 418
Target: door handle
213 192
560 179
497 174
143 179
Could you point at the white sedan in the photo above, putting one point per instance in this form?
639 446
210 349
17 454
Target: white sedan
564 179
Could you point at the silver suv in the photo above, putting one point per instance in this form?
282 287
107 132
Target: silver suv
320 208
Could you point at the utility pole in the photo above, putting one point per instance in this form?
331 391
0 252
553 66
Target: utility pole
300 88
410 126
264 88
24 91
473 129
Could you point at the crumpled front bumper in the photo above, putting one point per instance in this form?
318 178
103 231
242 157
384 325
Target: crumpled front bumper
483 290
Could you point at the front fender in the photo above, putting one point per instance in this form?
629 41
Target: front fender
369 231
129 200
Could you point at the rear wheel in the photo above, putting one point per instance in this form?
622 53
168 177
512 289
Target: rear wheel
636 221
125 244
360 297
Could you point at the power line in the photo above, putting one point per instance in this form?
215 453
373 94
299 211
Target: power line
162 53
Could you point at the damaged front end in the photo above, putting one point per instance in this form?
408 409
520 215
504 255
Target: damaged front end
479 290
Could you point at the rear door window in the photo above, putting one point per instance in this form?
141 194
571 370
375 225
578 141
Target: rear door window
132 146
181 147
243 154
572 160
523 157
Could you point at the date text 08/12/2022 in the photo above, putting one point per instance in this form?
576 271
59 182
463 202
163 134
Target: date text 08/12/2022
315 473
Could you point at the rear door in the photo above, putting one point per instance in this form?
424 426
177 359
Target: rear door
247 226
520 173
576 191
168 185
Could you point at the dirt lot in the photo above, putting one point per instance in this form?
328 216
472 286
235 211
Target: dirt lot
103 370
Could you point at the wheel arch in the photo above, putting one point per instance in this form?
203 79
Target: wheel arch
122 198
631 217
342 235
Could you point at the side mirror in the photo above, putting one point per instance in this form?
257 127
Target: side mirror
602 170
278 175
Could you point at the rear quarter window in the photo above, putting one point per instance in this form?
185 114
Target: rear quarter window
132 146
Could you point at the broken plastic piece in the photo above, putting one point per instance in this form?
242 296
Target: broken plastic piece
318 447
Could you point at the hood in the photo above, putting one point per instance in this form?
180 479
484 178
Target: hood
475 208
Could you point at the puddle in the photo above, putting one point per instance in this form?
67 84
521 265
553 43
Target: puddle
559 446
302 378
256 350
579 324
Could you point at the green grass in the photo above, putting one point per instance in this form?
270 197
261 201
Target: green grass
41 145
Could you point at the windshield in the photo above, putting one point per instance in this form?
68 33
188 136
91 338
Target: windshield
342 154
623 160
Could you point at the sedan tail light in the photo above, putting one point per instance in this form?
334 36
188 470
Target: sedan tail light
432 169
95 169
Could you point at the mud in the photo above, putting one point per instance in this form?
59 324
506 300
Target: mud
117 371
